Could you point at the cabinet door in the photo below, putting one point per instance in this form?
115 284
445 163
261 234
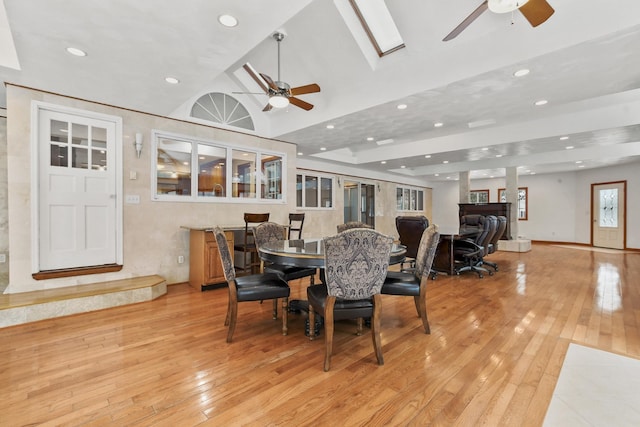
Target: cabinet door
213 266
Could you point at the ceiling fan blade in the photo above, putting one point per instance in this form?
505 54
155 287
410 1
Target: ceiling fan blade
270 82
536 11
254 75
301 90
467 21
267 107
300 103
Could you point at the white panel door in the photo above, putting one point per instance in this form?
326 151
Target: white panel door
77 191
608 215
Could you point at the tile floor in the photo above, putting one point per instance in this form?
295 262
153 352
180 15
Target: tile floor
595 388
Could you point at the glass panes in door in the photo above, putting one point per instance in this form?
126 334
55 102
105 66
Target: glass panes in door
77 145
609 208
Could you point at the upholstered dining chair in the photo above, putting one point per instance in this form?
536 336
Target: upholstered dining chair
414 283
356 263
247 246
269 232
410 229
352 224
255 287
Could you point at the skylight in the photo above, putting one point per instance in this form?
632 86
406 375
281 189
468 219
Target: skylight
379 26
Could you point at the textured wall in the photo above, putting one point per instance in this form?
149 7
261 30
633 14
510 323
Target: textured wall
4 214
153 237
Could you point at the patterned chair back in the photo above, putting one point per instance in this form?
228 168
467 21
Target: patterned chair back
352 224
268 232
426 251
225 255
356 263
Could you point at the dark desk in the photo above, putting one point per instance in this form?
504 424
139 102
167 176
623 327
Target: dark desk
310 253
444 261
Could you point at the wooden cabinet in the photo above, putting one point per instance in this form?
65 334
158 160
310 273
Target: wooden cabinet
205 267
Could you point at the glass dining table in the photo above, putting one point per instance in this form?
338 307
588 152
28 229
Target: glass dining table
310 253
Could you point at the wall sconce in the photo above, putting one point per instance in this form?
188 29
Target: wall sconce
339 182
138 144
379 188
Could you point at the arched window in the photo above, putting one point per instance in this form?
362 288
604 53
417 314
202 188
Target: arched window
222 108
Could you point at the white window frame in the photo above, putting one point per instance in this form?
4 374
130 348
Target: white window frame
156 135
409 189
319 176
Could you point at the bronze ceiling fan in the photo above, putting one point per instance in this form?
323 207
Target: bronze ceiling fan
281 93
535 11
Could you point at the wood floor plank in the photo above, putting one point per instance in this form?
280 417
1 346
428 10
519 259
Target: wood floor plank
493 356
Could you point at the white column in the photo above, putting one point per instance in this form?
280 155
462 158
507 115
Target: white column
464 186
512 197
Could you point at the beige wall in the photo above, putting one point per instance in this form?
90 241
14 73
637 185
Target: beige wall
4 206
153 237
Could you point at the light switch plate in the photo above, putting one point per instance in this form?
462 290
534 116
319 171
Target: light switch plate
132 199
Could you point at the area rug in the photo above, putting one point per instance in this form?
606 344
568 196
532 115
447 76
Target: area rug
595 388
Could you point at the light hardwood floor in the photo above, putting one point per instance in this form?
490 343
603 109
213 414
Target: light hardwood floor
493 356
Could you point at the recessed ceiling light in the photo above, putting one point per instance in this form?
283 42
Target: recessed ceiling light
569 147
299 153
77 52
485 148
402 106
438 125
492 176
564 138
172 80
185 163
533 173
370 138
445 161
436 174
541 102
581 166
402 167
227 20
521 73
323 149
384 162
448 177
498 155
578 162
330 126
428 156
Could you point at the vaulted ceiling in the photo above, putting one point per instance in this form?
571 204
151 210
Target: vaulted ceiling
584 61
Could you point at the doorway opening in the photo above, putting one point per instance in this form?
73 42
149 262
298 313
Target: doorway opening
360 202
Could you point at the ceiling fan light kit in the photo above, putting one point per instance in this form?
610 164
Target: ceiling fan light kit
278 101
280 93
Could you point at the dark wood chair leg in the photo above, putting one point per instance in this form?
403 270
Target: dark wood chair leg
328 332
285 318
375 328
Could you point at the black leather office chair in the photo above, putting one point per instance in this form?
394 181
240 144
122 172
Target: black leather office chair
410 229
471 224
469 253
493 244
